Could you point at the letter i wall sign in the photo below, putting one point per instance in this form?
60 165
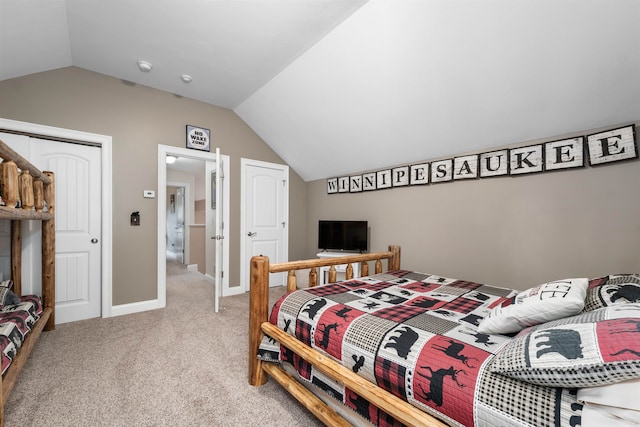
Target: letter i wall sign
600 148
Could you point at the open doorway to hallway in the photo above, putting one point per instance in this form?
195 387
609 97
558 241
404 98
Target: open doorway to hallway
199 237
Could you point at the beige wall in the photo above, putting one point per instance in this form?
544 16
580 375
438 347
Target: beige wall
197 248
197 242
139 118
511 231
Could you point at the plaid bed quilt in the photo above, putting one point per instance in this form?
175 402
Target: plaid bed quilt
416 336
16 322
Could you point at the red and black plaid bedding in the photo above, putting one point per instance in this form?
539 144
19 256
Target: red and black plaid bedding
16 322
416 336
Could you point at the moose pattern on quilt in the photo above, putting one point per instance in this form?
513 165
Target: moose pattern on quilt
415 335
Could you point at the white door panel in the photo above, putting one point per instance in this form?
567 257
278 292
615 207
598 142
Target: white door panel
268 248
78 226
71 269
265 225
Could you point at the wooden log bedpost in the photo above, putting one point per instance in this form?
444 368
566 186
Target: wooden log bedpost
394 261
313 277
258 313
38 195
292 281
16 255
364 268
49 253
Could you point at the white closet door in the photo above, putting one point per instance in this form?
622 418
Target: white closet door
265 195
78 225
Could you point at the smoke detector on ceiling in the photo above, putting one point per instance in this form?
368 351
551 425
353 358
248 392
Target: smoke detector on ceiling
186 78
145 66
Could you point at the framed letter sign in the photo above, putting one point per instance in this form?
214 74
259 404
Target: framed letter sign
526 159
564 154
495 163
197 138
612 146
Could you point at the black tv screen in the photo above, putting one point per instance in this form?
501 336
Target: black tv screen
343 235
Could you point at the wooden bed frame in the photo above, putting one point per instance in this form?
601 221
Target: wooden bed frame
34 188
259 325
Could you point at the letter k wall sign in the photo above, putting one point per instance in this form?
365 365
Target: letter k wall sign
600 148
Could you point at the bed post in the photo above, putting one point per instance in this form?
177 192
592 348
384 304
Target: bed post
258 313
49 253
16 255
394 261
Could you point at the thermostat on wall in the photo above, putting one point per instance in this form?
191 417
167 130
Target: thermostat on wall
149 194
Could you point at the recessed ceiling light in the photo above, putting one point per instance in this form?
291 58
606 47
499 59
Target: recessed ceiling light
171 159
145 66
186 78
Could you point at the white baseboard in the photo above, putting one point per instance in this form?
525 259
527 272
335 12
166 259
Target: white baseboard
135 307
192 267
236 290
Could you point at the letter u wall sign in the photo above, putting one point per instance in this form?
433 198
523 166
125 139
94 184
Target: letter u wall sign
600 148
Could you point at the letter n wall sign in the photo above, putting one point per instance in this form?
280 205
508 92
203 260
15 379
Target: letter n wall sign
600 148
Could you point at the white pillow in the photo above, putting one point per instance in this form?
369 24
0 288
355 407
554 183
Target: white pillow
622 395
549 301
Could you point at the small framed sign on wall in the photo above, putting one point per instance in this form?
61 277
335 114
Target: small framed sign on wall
198 138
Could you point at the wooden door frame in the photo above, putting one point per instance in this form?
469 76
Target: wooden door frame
244 269
105 144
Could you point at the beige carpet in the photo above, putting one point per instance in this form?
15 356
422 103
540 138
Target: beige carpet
180 366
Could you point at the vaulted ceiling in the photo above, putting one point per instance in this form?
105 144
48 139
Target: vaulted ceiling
338 87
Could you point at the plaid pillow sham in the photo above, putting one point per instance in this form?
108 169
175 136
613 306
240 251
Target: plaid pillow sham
590 349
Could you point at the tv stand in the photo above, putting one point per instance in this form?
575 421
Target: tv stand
341 269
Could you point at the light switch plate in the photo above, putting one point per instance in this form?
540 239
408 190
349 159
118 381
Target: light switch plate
149 194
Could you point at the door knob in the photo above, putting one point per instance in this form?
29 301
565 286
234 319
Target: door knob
94 240
251 234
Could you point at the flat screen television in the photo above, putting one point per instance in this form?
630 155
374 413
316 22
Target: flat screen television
343 235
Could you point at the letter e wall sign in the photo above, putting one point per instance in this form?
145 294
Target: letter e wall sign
612 146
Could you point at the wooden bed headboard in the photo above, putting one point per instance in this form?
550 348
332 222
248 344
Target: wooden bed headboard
259 294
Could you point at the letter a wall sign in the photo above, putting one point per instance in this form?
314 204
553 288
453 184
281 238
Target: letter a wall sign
600 148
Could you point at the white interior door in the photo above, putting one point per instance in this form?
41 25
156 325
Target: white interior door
78 219
216 195
265 215
217 218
